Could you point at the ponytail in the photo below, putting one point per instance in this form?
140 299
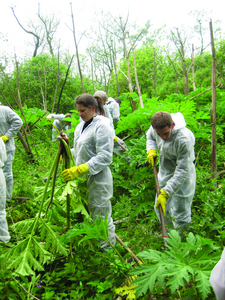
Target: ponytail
101 110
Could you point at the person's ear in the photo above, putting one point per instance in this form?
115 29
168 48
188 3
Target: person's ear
173 125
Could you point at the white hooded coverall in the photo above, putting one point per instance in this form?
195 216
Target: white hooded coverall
114 109
217 278
10 124
177 175
4 234
94 146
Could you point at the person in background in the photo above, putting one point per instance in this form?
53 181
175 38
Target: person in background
93 146
4 233
10 124
217 278
118 100
59 123
117 149
177 175
114 110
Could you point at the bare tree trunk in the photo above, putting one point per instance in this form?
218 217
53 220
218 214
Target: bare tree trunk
154 78
57 83
135 74
60 95
92 75
185 72
42 92
27 148
115 69
36 37
77 54
213 114
193 68
133 104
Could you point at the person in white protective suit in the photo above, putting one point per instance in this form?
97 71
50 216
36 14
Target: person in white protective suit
117 149
10 124
93 146
114 110
59 123
177 175
4 234
217 278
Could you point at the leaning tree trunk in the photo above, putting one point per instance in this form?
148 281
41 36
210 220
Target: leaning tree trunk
78 59
133 104
154 80
186 89
135 74
193 68
213 114
115 69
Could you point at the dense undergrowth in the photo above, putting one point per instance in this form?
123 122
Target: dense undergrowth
47 260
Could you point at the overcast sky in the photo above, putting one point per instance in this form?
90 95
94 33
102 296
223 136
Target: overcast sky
169 12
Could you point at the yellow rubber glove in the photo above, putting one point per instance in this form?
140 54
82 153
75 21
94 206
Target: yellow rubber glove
71 173
162 200
116 139
83 169
150 157
4 138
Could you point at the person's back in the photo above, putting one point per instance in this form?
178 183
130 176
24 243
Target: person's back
114 109
4 234
10 124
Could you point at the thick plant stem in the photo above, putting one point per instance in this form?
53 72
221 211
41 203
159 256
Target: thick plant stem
53 183
67 166
45 190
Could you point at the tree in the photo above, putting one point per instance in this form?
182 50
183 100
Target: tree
77 54
48 69
179 42
42 32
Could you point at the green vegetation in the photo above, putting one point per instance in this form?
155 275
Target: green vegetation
49 261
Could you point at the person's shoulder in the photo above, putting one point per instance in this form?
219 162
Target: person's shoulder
102 121
5 108
185 137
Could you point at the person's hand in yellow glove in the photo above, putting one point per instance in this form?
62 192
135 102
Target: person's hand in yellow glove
71 173
49 117
4 138
162 200
116 139
150 157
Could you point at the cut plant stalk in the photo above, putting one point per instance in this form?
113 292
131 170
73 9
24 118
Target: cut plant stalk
164 234
122 146
65 151
138 261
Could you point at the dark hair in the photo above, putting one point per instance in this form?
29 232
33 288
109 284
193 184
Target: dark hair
88 100
161 119
118 100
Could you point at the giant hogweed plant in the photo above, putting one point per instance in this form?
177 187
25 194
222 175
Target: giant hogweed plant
184 268
42 242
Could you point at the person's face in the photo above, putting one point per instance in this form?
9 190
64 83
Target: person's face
86 113
165 132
